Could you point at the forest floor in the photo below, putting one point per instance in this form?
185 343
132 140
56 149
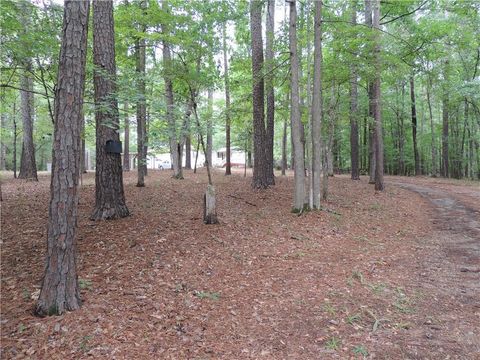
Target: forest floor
392 275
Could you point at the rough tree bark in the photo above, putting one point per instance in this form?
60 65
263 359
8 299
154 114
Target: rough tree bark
126 138
109 195
378 134
371 126
228 166
28 166
209 126
354 151
269 60
172 132
299 198
317 108
445 122
260 180
60 290
141 108
414 126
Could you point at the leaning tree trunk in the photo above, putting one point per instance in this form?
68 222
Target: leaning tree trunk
28 166
299 167
269 60
109 195
414 126
60 291
354 151
260 180
317 109
228 166
378 134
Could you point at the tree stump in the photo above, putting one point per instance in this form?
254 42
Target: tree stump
209 208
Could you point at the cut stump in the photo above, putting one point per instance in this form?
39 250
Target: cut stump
209 208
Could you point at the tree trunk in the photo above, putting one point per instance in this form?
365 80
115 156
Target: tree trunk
126 140
379 183
414 126
260 179
445 122
370 86
109 195
172 132
60 290
269 61
28 166
209 126
83 167
317 109
141 108
299 204
354 152
3 118
284 146
15 135
228 166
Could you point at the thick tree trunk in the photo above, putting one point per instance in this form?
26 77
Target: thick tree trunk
28 166
317 109
379 183
260 179
370 86
269 88
126 140
414 126
228 166
299 198
60 290
109 195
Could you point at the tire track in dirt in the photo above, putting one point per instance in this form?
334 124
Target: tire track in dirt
450 276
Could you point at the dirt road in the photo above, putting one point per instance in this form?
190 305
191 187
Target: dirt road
449 271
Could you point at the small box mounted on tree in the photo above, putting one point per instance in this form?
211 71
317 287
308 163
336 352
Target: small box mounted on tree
113 147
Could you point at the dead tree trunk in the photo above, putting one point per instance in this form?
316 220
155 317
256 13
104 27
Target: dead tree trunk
60 291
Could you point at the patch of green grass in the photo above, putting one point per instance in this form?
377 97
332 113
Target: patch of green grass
354 318
26 294
21 328
207 295
329 309
85 284
360 350
357 275
376 206
378 288
84 346
333 343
